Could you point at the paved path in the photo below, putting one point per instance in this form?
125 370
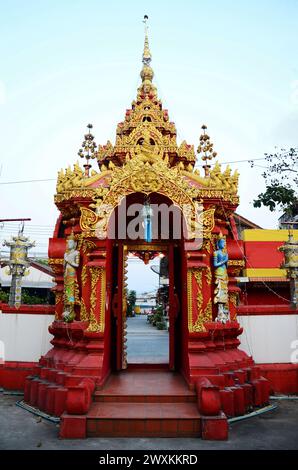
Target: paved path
139 324
145 343
274 430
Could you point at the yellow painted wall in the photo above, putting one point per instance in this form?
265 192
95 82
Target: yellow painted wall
263 235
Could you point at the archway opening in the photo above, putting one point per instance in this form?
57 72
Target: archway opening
147 308
163 300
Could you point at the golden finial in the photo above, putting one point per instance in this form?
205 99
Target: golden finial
205 148
146 53
147 72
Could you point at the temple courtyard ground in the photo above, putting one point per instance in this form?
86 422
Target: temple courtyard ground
145 343
22 430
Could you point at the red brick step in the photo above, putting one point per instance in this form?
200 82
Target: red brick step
146 386
143 419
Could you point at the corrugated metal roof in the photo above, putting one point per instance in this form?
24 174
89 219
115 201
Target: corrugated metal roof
35 279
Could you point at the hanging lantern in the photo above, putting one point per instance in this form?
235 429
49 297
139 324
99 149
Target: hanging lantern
147 214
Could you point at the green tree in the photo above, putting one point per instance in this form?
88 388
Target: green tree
132 297
4 296
281 179
131 302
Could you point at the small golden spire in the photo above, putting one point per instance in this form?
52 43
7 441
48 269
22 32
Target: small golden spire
146 89
146 72
146 53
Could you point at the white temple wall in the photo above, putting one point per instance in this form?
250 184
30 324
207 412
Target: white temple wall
270 338
24 337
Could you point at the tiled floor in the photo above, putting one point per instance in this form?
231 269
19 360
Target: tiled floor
146 382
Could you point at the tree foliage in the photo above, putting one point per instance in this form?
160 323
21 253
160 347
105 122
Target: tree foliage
281 178
131 302
132 297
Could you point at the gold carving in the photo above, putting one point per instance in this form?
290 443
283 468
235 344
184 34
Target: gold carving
205 223
208 275
58 300
236 266
84 313
234 298
102 300
56 265
204 314
88 245
84 275
170 181
198 326
138 175
58 297
124 307
53 261
206 245
95 275
74 194
189 298
213 242
88 219
236 262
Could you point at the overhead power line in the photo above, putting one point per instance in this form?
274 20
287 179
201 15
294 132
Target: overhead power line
27 181
248 160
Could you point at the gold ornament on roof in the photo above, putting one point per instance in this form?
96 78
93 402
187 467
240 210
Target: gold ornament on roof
205 149
70 179
146 130
88 150
145 137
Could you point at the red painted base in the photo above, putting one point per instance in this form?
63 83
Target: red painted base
283 378
64 379
215 428
13 374
227 381
222 382
73 427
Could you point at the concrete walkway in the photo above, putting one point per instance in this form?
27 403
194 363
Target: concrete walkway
145 343
276 430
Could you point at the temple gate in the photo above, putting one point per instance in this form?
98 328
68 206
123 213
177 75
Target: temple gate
88 254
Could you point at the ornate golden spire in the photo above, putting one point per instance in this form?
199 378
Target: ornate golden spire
147 73
146 53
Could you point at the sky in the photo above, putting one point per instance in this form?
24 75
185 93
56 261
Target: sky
229 65
140 276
